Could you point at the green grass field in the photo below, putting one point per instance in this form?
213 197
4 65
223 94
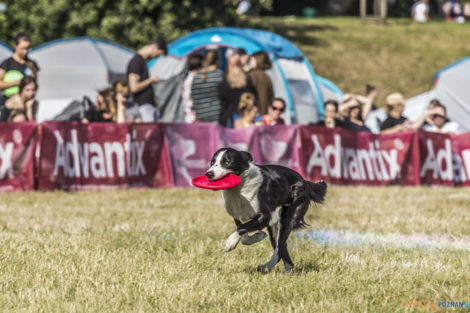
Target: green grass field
398 56
162 251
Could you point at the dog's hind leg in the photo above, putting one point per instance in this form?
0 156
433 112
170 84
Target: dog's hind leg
272 231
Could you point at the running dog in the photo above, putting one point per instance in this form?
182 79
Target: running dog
271 196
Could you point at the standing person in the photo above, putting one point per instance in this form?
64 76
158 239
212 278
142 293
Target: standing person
140 84
275 110
25 100
420 11
17 66
260 62
235 83
205 89
194 65
248 111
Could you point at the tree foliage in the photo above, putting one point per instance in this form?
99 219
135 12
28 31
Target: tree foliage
128 22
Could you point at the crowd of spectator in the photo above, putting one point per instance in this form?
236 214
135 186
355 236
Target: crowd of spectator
354 109
241 96
452 11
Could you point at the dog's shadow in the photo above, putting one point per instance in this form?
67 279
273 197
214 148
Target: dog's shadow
299 269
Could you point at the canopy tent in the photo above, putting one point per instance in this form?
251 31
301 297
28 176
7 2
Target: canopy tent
75 67
5 51
451 88
292 75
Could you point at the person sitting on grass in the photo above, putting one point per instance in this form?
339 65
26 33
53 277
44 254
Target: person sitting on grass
25 100
440 122
17 116
395 121
277 107
332 118
356 108
106 108
248 111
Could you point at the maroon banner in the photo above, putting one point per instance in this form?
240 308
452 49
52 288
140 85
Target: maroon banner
445 159
461 159
347 157
77 156
191 148
280 145
17 146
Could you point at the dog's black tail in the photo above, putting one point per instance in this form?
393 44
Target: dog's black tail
317 191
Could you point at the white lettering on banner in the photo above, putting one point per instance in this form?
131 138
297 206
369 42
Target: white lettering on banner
437 162
354 164
445 164
82 159
6 154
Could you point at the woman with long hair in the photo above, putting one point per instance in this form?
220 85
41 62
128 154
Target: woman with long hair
25 100
235 83
263 85
248 111
205 89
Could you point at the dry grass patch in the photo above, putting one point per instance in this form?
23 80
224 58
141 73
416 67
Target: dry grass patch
162 251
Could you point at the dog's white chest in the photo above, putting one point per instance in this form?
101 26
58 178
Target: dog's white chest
242 201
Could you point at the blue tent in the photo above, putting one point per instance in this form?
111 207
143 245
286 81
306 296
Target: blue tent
292 75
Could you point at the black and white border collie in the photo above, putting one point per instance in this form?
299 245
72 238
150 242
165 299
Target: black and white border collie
271 196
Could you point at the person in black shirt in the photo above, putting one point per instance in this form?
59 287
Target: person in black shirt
18 61
395 121
331 119
356 108
140 84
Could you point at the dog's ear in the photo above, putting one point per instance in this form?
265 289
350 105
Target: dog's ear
246 156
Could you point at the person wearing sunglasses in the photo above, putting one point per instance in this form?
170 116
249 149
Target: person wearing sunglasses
441 123
277 107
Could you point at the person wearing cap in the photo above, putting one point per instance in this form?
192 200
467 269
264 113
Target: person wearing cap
395 121
440 122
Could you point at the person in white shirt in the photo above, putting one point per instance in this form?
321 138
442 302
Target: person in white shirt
420 11
441 123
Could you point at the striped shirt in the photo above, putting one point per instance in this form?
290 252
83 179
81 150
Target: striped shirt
205 95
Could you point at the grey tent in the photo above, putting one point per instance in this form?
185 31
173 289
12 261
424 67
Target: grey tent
75 67
451 88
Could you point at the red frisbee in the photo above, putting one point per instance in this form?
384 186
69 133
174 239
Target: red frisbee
226 182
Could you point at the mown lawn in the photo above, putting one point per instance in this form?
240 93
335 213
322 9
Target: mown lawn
398 56
162 251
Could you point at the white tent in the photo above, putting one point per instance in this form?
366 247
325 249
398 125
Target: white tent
452 89
75 67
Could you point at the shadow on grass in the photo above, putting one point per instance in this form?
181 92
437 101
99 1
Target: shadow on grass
297 32
299 269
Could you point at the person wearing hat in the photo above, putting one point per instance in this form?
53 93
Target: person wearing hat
395 121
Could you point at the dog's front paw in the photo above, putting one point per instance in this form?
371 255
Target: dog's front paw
232 241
